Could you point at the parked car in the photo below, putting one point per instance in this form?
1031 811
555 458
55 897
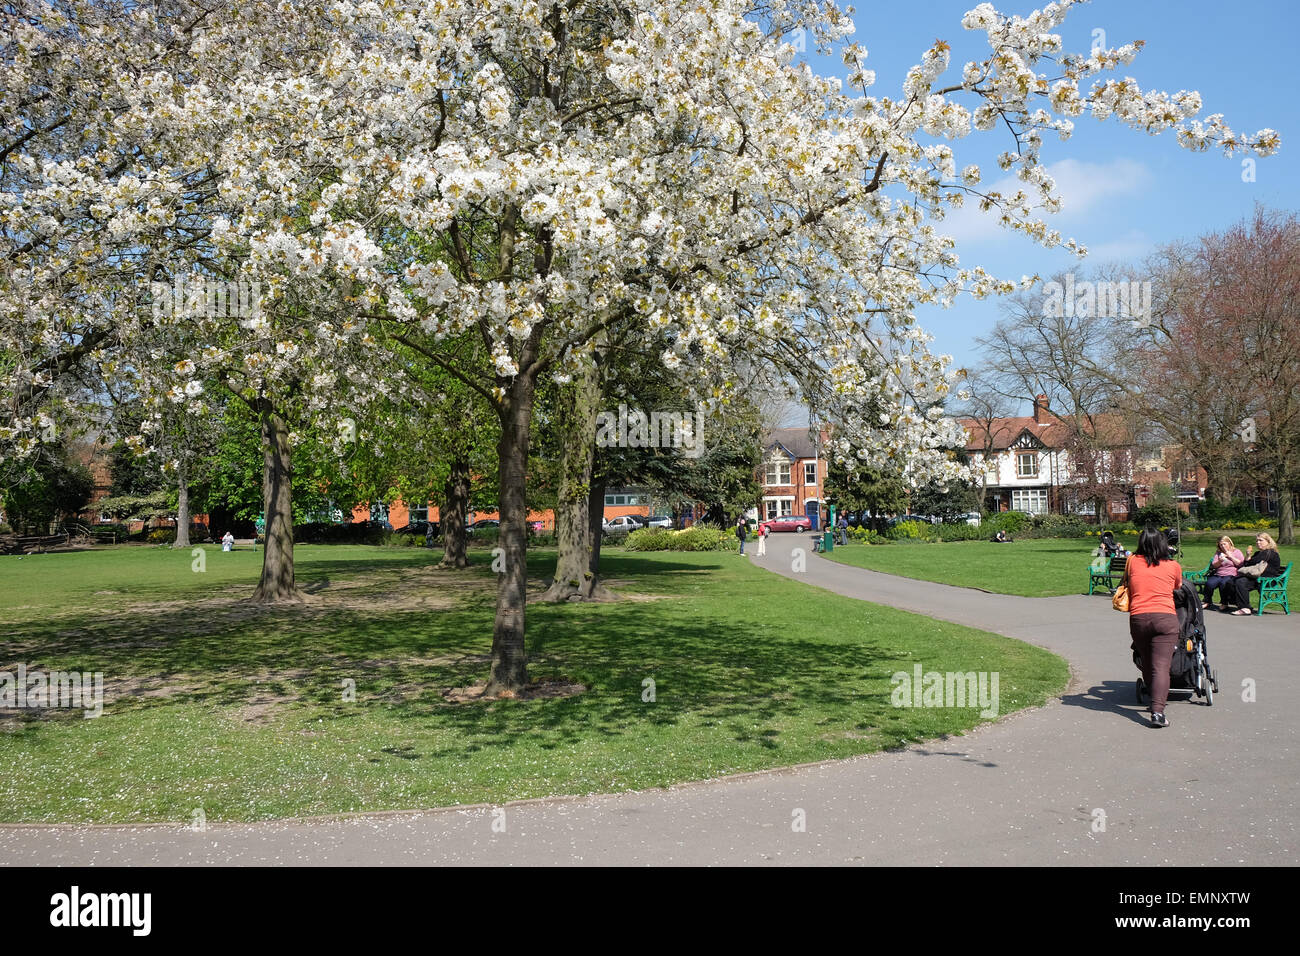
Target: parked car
622 524
419 528
659 521
482 524
922 519
798 523
970 518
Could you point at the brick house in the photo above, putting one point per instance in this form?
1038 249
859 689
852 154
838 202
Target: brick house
1027 466
793 475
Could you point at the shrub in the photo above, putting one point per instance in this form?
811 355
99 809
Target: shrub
1214 515
960 532
910 531
696 538
5 529
1061 526
1154 514
162 536
1012 522
867 536
325 532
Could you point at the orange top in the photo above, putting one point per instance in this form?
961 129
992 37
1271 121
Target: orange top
1151 589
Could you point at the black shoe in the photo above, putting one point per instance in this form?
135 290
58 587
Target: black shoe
1211 607
1159 720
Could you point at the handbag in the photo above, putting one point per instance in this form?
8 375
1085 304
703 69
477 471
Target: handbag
1254 570
1120 599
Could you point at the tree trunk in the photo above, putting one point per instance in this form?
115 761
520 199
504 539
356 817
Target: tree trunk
509 661
1285 515
454 513
593 589
573 522
277 585
182 509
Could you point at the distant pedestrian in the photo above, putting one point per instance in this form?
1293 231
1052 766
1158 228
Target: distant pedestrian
228 542
428 534
842 525
763 531
742 529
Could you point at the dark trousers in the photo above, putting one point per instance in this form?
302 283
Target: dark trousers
1155 636
1242 587
1224 584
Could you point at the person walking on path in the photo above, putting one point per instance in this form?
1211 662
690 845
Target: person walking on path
842 526
1152 577
762 539
741 530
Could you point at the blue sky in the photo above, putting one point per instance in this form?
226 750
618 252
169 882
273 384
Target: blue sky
1125 192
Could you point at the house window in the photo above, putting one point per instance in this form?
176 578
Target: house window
777 507
777 472
1027 465
611 500
420 513
1029 500
1119 507
1088 507
810 472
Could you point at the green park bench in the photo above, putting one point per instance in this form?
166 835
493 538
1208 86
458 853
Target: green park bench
1271 590
1108 577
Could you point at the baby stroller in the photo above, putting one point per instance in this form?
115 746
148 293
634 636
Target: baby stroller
1173 537
1189 669
1108 547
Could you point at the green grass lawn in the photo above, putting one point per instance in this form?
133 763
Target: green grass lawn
217 705
1031 567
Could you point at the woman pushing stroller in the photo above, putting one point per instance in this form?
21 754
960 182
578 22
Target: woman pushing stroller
1152 577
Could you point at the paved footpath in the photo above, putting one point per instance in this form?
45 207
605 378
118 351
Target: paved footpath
1217 787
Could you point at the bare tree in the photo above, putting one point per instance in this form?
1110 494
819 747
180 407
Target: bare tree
1225 357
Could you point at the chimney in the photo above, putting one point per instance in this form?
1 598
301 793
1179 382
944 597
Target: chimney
1040 408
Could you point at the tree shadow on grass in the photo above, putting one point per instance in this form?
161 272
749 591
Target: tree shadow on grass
706 668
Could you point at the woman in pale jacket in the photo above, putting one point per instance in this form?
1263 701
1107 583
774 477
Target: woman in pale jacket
1223 573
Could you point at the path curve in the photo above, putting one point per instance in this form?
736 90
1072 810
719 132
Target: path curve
1217 787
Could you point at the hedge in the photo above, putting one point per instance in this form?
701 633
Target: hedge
696 538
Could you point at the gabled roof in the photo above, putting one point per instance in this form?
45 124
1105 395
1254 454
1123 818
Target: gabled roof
1052 432
795 442
1005 432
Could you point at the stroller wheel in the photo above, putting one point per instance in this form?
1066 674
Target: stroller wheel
1141 689
1209 690
1214 680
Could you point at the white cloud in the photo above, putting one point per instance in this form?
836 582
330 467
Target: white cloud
1085 189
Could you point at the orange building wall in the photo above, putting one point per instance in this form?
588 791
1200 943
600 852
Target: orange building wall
399 514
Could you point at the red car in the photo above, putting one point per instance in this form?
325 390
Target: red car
798 523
